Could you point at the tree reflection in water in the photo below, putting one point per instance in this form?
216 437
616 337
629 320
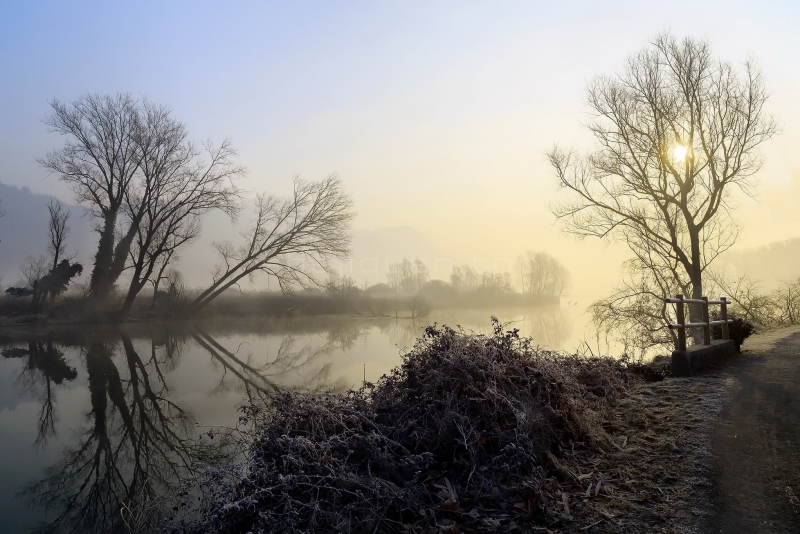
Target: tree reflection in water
259 381
546 326
137 443
46 366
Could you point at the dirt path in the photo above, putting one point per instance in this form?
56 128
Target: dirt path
756 441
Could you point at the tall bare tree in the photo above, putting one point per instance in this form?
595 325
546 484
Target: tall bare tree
676 131
129 162
99 161
291 239
178 188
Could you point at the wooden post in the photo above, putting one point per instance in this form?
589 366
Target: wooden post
681 329
724 314
706 327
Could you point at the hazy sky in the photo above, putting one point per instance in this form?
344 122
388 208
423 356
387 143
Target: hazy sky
435 114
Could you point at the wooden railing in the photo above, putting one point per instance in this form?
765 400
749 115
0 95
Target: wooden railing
705 324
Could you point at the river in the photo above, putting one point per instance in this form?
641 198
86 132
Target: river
92 417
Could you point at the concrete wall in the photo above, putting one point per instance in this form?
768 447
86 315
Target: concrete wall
688 362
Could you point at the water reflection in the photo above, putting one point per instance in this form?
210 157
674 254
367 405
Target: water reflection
134 446
44 366
237 374
135 395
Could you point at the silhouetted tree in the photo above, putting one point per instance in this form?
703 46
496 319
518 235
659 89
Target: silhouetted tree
290 239
677 131
99 162
541 274
178 189
15 292
54 283
129 163
57 230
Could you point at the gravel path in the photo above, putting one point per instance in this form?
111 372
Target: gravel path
715 453
756 441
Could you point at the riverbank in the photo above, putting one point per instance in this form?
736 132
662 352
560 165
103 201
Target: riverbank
494 437
471 432
708 454
306 303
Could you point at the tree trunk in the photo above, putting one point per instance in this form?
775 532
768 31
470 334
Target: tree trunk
696 310
133 290
120 256
99 283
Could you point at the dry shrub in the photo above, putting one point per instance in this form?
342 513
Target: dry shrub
466 432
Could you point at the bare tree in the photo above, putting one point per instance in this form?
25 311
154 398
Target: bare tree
99 162
407 276
57 231
749 301
34 268
289 239
129 162
178 189
634 314
677 131
464 278
541 274
787 298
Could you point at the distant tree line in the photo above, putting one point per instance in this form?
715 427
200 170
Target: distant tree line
537 274
409 288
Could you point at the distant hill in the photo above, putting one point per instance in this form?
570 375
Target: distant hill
23 231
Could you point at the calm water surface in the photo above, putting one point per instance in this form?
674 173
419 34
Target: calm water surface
93 417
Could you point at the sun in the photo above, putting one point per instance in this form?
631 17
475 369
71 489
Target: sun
679 153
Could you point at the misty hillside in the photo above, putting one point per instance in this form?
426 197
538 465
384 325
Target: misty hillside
23 231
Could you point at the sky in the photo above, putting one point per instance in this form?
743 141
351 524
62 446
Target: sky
436 115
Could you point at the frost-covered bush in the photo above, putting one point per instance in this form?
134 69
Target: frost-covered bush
466 430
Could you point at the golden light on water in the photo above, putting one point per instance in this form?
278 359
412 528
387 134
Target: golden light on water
679 153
